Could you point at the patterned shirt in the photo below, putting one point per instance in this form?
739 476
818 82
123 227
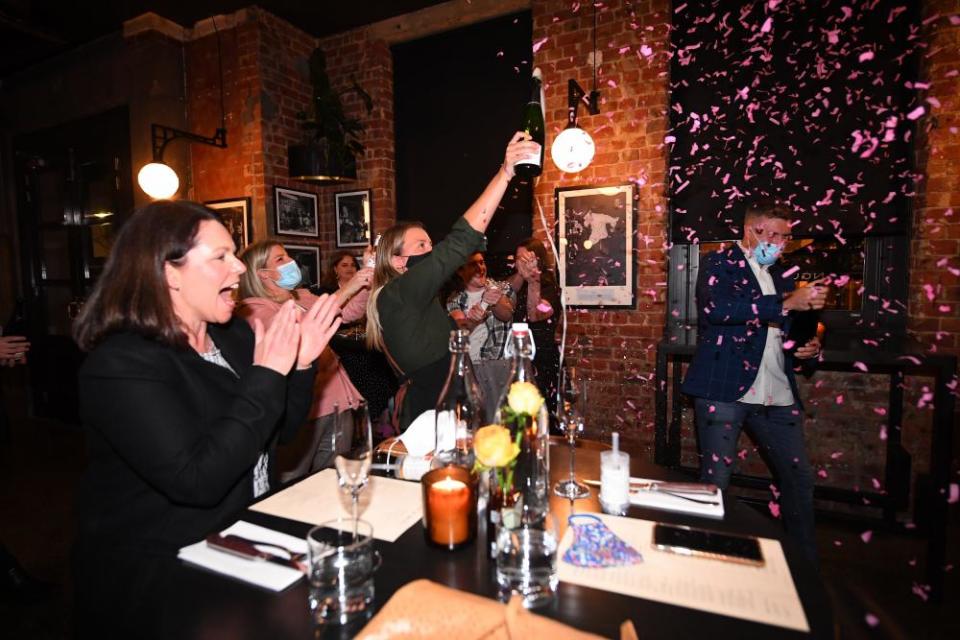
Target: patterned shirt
496 330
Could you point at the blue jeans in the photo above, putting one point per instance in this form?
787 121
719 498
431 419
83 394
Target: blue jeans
779 433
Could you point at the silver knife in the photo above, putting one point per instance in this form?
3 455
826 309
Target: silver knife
244 549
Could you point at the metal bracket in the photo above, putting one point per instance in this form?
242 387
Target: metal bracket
163 135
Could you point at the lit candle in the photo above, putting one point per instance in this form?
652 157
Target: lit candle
448 509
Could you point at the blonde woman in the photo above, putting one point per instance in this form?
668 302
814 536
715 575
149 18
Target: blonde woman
271 279
405 318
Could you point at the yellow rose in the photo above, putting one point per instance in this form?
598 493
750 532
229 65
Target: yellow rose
494 447
524 397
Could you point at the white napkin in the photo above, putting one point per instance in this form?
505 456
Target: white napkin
263 574
666 502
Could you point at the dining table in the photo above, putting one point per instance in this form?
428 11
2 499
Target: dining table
200 604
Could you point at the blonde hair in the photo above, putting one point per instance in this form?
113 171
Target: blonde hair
391 244
255 258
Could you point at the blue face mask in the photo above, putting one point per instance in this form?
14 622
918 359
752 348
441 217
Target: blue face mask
290 275
766 253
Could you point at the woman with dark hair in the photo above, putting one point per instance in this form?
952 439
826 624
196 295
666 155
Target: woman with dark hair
405 318
538 304
180 404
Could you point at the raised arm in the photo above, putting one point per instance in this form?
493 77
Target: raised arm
481 211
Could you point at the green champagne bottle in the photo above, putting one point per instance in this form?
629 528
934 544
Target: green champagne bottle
532 123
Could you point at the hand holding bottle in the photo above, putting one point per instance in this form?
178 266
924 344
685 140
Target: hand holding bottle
521 146
812 296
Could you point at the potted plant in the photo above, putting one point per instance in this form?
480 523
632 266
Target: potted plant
333 139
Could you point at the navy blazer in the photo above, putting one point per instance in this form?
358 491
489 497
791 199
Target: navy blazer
732 326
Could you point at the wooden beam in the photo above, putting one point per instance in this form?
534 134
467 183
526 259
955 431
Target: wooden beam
442 17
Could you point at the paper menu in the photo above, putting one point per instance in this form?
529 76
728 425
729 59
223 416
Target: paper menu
390 506
759 594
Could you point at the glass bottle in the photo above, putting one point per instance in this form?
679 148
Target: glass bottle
525 500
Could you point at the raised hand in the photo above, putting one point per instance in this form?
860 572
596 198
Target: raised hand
521 145
317 326
276 348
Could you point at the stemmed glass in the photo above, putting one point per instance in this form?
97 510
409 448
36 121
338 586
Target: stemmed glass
353 446
570 421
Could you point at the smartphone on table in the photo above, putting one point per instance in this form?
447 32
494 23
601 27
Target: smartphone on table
689 541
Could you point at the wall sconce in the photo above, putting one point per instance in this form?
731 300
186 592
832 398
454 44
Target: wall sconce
157 179
573 149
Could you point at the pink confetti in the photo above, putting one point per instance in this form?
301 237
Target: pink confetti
861 366
539 43
916 113
954 496
880 411
866 535
822 473
766 25
955 20
774 509
544 307
871 620
836 455
841 281
840 399
866 55
645 51
792 270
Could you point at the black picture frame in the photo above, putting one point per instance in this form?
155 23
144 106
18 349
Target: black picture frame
595 239
354 218
308 258
235 213
295 212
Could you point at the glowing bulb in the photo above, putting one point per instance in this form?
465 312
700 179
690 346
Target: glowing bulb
158 180
572 150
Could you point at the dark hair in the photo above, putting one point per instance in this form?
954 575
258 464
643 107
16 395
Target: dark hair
768 209
131 293
329 280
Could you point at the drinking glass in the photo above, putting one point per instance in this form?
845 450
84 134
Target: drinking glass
571 423
353 445
342 562
527 561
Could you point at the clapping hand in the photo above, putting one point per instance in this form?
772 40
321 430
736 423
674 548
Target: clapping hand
317 326
528 269
276 348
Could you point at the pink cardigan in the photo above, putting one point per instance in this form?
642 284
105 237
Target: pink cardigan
332 385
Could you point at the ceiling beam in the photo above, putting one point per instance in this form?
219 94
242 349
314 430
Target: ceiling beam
442 17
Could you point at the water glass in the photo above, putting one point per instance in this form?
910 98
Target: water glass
526 558
342 563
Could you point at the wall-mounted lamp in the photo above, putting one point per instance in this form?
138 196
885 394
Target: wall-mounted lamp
157 179
573 149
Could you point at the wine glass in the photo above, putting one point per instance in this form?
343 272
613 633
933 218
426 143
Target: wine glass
571 423
353 446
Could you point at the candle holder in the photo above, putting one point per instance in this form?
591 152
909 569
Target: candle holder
449 507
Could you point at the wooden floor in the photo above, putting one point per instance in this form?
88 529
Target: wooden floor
873 584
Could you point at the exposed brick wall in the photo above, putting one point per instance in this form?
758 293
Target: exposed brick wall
934 302
267 85
629 137
266 79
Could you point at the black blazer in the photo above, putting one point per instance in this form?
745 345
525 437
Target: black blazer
172 441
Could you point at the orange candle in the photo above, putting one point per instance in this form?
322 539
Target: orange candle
448 507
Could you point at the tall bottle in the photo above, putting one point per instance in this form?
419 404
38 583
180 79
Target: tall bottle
460 408
532 123
523 411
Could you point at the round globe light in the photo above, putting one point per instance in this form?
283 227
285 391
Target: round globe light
572 150
158 180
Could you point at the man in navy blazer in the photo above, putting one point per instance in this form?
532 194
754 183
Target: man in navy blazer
742 374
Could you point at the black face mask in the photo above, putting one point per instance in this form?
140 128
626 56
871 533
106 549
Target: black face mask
413 261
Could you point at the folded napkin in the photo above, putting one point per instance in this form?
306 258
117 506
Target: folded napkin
271 576
424 609
666 502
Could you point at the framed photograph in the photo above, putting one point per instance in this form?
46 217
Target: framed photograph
354 219
236 218
296 212
595 240
308 258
